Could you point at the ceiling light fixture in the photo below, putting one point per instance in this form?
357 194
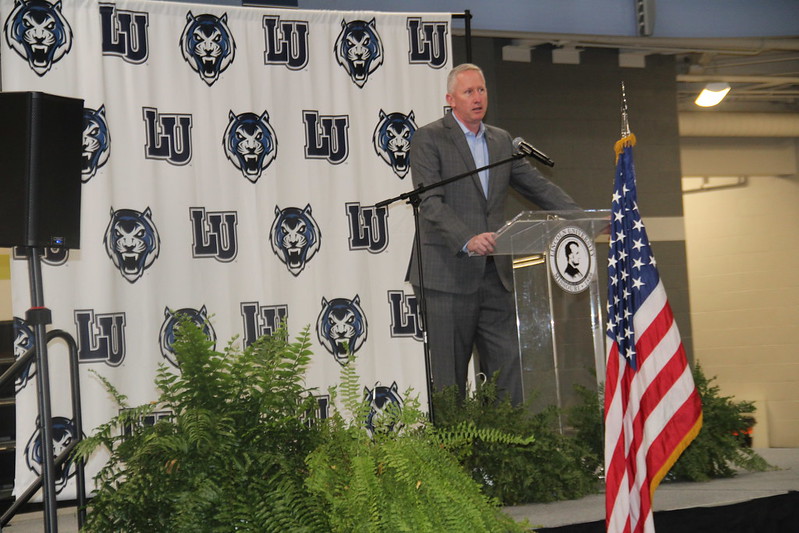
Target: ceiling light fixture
712 94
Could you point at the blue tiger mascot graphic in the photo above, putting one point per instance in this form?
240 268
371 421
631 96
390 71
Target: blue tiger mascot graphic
295 237
359 49
96 142
166 338
132 242
250 143
382 401
23 341
392 140
341 327
207 45
64 433
39 33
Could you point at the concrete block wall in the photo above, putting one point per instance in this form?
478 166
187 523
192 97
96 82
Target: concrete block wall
743 251
573 114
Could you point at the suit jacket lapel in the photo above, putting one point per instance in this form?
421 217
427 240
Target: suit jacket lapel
459 139
494 148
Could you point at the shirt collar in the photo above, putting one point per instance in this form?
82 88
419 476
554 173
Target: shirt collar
480 132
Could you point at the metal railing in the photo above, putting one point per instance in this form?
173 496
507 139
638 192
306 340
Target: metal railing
12 373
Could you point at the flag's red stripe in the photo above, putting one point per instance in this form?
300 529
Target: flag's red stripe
660 335
653 343
620 472
615 463
667 368
661 454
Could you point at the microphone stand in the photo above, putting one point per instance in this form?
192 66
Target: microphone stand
414 199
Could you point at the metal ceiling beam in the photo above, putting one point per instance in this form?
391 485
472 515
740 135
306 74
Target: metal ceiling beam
705 78
743 46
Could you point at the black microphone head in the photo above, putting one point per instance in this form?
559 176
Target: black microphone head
523 147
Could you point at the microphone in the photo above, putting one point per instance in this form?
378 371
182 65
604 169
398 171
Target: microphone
522 146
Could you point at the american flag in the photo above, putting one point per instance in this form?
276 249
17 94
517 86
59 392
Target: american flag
652 408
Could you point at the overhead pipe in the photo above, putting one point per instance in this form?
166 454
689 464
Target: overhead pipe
742 45
713 124
772 80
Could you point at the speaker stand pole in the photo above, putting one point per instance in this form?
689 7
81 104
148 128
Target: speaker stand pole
38 316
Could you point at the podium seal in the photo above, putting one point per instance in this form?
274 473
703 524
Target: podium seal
572 259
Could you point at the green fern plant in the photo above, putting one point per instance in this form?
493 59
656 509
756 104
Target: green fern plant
719 449
242 451
586 420
717 452
231 456
402 476
552 467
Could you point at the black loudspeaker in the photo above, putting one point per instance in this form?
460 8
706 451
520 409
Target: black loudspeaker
41 147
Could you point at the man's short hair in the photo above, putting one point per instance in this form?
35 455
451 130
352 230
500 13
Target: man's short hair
570 247
452 77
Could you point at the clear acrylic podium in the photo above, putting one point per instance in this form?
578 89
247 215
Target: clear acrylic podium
558 302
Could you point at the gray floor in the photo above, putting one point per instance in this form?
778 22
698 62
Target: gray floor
670 496
745 486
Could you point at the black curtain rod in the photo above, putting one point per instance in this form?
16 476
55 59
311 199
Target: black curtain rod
467 16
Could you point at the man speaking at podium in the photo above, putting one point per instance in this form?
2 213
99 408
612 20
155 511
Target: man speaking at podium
469 298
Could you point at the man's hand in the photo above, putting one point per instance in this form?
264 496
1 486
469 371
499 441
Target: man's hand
482 244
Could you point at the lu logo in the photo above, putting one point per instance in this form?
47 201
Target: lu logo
368 227
214 234
286 42
125 33
326 136
168 136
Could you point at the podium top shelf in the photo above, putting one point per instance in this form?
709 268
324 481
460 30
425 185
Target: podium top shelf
531 231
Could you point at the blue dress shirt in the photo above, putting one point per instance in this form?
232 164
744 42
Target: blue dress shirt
479 148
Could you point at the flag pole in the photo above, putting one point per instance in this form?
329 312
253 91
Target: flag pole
625 121
652 408
627 137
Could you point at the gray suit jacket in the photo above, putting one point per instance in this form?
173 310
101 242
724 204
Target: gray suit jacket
453 214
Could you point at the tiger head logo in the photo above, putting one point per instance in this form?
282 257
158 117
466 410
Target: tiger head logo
132 242
392 140
385 404
341 327
207 45
295 237
250 143
359 49
23 342
96 142
39 33
166 338
64 432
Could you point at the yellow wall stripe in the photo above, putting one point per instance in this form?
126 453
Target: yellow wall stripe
5 266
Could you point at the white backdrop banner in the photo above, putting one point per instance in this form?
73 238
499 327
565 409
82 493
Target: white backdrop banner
232 160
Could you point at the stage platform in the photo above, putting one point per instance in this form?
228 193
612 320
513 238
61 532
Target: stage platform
762 502
745 495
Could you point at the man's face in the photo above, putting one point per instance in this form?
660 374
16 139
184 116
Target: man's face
469 98
574 257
